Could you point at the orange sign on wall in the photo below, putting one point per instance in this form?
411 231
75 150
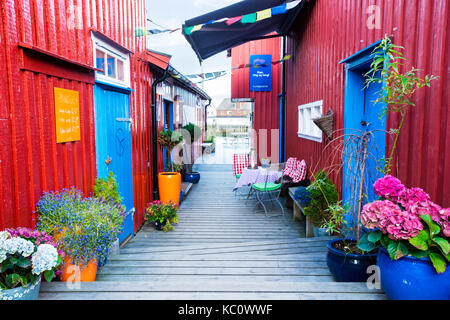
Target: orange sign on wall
67 115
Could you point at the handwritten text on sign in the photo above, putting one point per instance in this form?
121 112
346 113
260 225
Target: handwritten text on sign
261 72
67 115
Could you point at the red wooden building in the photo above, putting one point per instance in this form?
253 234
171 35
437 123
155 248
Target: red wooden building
90 48
325 41
266 118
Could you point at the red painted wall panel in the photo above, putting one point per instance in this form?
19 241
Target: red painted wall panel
328 31
267 104
31 161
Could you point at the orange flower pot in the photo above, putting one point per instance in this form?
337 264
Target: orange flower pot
169 184
74 273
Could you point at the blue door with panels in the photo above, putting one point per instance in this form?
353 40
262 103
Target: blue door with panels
168 123
113 145
362 120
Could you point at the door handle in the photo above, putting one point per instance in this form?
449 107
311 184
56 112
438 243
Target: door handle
107 162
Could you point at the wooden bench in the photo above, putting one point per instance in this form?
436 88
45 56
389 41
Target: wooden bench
299 214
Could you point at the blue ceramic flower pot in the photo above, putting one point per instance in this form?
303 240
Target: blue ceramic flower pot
349 267
181 196
411 278
192 177
29 293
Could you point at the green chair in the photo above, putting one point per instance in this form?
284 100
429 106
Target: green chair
269 191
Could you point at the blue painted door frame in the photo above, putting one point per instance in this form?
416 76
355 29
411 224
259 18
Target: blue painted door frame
362 114
168 124
113 141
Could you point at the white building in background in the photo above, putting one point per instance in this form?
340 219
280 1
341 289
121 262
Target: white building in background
231 116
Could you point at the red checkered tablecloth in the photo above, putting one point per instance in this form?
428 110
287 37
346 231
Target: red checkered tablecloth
240 162
295 169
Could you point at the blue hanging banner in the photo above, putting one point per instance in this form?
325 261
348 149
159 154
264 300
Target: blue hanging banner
261 72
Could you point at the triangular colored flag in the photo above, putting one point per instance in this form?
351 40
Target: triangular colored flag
197 27
249 18
287 57
281 9
233 20
139 32
292 4
263 14
188 30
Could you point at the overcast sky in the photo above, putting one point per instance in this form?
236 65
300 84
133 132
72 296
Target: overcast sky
171 14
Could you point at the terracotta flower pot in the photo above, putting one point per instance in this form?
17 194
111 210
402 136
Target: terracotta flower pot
169 184
74 273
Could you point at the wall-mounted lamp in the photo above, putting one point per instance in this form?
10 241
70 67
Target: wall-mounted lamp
178 98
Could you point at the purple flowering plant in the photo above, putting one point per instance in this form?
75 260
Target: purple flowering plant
405 221
25 255
85 228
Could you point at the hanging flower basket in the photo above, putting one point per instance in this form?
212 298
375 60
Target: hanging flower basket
325 123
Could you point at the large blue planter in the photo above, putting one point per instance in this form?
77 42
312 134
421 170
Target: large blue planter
192 177
349 267
411 278
29 293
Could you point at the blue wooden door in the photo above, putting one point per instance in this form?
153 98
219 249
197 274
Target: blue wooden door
168 125
113 143
362 115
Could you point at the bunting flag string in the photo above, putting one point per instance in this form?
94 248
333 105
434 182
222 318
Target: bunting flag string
248 18
141 32
244 19
217 74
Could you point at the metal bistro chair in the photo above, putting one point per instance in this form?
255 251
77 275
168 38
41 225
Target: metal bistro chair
269 191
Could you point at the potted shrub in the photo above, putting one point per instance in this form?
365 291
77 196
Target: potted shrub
25 256
412 234
169 183
85 229
195 132
321 194
162 214
347 262
108 190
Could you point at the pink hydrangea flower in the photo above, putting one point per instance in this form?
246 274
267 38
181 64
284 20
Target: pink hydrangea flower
389 187
413 196
388 216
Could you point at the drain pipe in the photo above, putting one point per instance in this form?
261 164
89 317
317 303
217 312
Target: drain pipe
155 134
283 105
206 118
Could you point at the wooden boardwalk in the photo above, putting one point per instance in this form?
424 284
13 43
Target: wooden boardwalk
221 249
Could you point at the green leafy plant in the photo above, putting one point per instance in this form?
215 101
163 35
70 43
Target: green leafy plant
107 189
195 132
169 140
210 139
157 211
323 194
399 87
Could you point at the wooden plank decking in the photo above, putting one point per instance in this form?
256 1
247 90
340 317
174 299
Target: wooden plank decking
221 249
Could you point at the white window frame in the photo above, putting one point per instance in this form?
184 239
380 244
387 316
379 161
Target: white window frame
307 129
118 54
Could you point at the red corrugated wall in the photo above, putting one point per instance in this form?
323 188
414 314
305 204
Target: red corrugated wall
31 161
328 31
267 104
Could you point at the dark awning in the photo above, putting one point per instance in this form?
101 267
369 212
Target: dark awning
217 37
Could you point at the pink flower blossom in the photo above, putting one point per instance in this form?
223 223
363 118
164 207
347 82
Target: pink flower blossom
388 216
389 187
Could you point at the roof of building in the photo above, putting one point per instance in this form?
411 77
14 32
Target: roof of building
162 61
